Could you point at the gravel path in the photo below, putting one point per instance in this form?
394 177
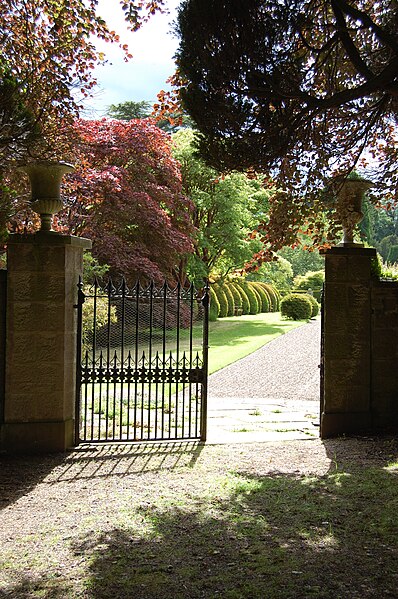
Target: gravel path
272 394
284 368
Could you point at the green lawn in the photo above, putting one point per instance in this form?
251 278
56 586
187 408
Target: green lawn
233 338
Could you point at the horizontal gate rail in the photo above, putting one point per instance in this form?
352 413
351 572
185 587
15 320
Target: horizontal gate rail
142 363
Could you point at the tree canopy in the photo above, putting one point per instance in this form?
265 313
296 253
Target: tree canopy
302 89
126 195
225 211
48 56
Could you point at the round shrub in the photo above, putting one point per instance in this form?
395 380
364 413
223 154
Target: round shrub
314 305
245 299
222 300
254 308
236 295
296 306
230 299
264 297
214 307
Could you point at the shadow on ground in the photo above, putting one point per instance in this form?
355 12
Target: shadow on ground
275 535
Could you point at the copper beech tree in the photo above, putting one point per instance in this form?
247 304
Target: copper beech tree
303 90
126 196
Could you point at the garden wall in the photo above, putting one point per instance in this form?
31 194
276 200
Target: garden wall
360 346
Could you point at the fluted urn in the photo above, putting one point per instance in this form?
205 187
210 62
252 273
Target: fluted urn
45 180
349 207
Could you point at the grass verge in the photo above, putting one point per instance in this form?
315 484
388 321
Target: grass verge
233 338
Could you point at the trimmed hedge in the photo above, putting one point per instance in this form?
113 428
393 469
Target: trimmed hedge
214 307
230 298
273 295
236 295
254 307
222 299
296 306
245 299
264 297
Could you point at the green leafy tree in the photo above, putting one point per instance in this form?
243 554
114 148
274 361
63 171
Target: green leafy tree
302 88
302 260
126 111
278 273
226 210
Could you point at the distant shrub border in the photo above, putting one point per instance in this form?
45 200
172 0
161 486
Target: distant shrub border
296 306
237 297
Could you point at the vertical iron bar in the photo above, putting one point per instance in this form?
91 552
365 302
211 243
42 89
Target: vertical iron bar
164 352
93 364
79 340
137 309
184 369
108 358
114 371
142 393
128 394
191 306
157 370
101 372
122 355
87 367
151 289
178 354
203 410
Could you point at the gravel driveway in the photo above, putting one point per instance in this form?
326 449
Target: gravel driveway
271 394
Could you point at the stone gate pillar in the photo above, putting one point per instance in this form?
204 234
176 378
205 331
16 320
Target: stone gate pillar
43 272
346 405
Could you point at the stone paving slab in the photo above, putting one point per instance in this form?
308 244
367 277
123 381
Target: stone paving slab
235 420
271 394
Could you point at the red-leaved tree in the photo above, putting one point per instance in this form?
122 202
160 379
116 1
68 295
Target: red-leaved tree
125 195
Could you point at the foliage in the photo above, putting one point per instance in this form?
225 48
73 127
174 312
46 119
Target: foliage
314 305
273 295
126 196
214 308
311 280
126 111
222 300
236 295
385 244
227 209
264 297
253 302
92 269
307 89
245 304
48 53
302 260
296 306
392 257
230 297
278 273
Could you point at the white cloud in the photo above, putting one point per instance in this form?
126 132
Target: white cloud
153 47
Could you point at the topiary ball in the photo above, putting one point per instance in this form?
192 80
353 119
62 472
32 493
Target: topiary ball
296 306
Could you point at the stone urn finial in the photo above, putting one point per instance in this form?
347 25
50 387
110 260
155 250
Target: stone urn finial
349 207
45 180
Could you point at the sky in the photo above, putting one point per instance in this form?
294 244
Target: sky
153 47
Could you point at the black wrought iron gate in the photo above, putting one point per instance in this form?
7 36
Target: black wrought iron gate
141 363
